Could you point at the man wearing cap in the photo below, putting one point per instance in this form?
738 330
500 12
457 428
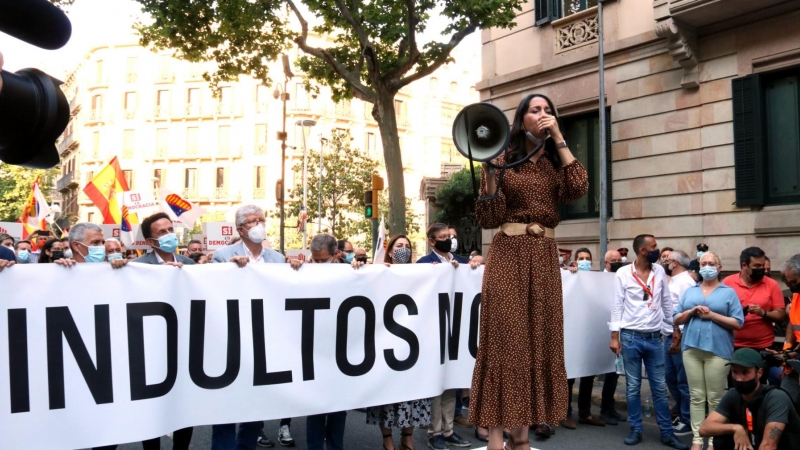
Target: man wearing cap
752 416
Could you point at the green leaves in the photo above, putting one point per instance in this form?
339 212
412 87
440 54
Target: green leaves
456 197
15 185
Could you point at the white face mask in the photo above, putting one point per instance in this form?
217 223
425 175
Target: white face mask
68 253
624 259
453 245
257 234
561 260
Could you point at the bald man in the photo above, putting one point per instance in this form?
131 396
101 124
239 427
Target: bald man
612 256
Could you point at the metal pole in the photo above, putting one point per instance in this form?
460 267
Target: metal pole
603 138
374 237
319 186
283 169
305 182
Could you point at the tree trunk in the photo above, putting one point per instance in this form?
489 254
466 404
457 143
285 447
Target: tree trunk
384 114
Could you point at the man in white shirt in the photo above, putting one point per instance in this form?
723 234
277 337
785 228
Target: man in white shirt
642 306
677 266
250 224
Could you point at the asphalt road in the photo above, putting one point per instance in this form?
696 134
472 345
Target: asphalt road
360 436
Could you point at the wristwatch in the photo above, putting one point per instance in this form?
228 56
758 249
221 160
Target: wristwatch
561 144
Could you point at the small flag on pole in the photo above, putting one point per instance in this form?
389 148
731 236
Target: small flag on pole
380 245
35 211
103 189
179 209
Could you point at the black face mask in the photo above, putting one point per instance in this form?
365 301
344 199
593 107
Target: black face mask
667 270
757 274
745 387
443 246
795 289
615 266
57 255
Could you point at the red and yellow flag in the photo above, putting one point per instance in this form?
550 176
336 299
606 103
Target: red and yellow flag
103 188
31 219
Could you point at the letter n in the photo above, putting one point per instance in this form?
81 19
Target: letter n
449 332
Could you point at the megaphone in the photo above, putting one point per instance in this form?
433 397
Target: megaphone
481 132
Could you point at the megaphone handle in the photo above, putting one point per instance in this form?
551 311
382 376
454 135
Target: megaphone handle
471 164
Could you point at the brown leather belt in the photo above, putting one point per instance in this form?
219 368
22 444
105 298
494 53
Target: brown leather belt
533 229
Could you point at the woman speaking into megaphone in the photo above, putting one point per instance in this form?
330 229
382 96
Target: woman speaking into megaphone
520 378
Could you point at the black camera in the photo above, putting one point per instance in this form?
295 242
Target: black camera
33 109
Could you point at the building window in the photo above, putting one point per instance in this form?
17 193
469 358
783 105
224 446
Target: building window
371 143
448 151
128 174
300 97
128 143
161 141
260 177
130 101
400 109
262 98
453 87
261 140
220 177
158 181
582 133
225 101
162 103
193 101
224 139
97 107
131 69
190 178
434 84
192 141
164 69
766 133
96 144
89 176
90 217
546 11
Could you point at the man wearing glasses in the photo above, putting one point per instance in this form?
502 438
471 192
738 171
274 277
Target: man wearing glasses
251 226
642 308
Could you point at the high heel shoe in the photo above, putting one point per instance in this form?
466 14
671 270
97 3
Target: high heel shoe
481 437
403 446
386 436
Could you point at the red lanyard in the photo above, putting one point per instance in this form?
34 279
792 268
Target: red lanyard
638 280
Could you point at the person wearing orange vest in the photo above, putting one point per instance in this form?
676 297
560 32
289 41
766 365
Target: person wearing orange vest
791 277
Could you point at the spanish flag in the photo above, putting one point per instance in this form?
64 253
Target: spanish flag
103 188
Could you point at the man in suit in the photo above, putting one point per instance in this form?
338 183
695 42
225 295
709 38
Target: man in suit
159 234
443 407
439 239
250 223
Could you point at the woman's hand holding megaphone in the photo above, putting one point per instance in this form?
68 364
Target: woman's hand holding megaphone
491 185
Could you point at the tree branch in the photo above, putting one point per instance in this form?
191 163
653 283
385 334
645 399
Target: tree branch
454 41
359 89
414 54
367 49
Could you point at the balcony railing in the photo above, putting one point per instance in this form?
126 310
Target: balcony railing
262 108
259 193
161 152
193 110
160 111
131 78
192 150
223 193
260 149
66 182
127 153
576 30
165 77
191 193
130 114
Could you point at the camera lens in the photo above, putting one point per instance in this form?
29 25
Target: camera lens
33 113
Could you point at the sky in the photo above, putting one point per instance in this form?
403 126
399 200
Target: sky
101 22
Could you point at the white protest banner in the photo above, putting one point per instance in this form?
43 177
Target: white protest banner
139 202
219 344
115 231
13 229
218 234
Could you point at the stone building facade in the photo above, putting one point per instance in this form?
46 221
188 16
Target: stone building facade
704 125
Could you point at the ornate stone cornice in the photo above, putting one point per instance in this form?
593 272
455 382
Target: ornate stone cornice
682 44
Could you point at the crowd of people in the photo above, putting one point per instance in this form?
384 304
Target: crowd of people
707 341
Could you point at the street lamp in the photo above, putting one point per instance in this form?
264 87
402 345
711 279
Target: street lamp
323 141
284 96
303 124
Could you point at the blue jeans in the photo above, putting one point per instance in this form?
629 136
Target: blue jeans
678 385
224 437
637 348
322 428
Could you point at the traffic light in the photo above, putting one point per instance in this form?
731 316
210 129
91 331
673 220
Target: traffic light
370 207
371 197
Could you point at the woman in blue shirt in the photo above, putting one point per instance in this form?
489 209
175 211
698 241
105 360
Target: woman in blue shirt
711 312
